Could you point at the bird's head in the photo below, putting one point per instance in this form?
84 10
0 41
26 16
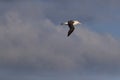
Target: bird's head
76 22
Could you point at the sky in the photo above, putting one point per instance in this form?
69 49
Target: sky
34 46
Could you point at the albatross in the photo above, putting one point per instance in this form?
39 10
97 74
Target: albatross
71 24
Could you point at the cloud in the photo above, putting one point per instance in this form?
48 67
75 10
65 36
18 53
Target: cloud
29 38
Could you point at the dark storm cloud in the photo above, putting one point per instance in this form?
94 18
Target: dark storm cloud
30 37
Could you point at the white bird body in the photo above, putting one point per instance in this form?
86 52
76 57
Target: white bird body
75 22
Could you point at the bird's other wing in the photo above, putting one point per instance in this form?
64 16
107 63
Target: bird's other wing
71 29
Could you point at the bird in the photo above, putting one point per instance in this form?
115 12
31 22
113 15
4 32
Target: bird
71 24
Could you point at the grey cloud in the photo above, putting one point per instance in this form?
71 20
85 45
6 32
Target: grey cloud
29 38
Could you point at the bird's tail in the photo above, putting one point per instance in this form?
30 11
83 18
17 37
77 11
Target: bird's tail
64 23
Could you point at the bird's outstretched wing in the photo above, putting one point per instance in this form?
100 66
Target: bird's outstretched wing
71 29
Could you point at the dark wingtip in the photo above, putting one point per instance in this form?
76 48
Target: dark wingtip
68 35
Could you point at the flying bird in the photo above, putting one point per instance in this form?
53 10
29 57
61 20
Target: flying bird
71 24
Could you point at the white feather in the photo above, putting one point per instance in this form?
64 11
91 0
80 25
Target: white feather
65 23
76 22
